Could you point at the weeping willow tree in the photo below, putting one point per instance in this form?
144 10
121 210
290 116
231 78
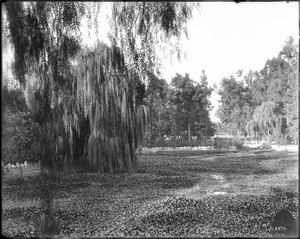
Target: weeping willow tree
89 101
45 38
269 120
104 95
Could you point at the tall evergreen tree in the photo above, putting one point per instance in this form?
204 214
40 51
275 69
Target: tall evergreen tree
235 107
192 105
161 110
203 125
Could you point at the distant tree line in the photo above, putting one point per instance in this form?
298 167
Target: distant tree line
179 110
263 104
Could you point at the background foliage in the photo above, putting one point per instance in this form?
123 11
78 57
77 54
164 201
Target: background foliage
264 104
21 137
179 111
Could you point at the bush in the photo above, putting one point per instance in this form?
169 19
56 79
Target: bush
21 138
238 143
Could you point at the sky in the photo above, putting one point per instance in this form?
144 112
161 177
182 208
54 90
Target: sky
225 37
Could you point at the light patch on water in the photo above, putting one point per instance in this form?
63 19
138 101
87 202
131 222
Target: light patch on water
203 158
292 148
218 193
227 185
155 149
197 187
218 177
195 191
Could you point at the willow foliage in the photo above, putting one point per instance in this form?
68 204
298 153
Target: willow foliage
269 120
104 95
145 30
44 36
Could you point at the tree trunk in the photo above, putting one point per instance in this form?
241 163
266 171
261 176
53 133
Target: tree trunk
189 132
159 123
152 139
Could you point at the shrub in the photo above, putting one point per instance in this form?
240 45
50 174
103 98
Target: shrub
238 143
21 136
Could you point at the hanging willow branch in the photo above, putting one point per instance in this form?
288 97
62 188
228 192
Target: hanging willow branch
107 99
145 30
268 119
